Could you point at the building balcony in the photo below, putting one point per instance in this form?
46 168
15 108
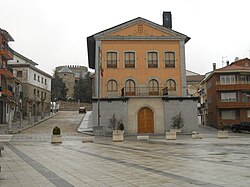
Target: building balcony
6 53
232 104
7 92
6 72
147 91
220 87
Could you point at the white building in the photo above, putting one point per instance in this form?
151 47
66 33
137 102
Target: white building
36 85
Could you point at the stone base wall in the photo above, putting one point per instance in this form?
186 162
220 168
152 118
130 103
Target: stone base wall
163 111
107 109
188 109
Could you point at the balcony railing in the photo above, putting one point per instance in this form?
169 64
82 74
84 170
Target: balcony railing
7 92
147 91
5 51
236 104
6 72
225 87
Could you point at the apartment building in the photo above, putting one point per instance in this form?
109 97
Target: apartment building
227 93
6 76
36 85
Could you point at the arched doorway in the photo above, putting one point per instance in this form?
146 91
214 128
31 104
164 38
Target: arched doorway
145 120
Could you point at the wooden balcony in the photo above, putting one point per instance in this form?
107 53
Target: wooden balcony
7 73
6 53
7 92
232 105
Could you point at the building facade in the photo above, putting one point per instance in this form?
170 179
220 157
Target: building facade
227 92
36 85
140 76
6 77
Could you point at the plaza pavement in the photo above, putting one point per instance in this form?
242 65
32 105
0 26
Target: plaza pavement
31 160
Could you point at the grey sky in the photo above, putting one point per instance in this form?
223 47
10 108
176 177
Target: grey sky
53 32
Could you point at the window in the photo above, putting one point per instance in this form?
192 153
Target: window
129 58
41 94
112 86
228 114
38 78
246 97
34 76
228 97
112 60
153 87
130 87
169 59
248 113
45 81
34 92
42 79
171 85
244 79
19 74
45 95
152 59
38 95
227 79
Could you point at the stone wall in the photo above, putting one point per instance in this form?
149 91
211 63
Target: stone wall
163 110
107 109
73 105
188 109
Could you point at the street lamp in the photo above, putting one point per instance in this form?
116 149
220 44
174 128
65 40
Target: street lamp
21 112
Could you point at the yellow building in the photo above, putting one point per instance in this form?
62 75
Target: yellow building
142 67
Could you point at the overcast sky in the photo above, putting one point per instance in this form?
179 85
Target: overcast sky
53 32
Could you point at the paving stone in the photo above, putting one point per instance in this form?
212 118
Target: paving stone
31 158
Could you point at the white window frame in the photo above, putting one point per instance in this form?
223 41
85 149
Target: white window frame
227 79
228 97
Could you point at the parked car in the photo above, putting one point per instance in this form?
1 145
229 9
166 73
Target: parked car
82 110
243 126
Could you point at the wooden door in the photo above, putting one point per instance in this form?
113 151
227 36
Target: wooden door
145 120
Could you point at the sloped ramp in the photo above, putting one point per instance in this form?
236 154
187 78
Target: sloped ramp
86 125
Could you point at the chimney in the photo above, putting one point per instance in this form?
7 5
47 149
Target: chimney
227 63
214 66
167 20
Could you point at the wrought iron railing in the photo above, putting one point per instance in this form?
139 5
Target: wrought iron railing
145 91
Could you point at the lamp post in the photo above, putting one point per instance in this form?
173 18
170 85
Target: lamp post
19 102
21 112
99 87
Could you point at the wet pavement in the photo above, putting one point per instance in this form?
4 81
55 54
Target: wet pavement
29 159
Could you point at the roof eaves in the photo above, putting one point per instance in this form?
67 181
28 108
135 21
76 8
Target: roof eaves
24 58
